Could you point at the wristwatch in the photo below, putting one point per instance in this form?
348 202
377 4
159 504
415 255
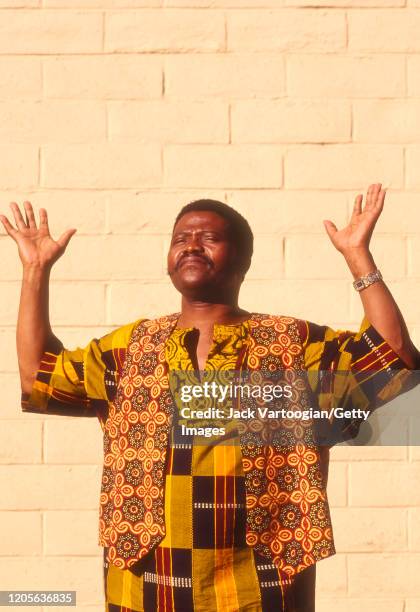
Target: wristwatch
368 279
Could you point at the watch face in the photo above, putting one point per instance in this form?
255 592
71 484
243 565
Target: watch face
359 284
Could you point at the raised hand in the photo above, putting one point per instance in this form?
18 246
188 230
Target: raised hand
357 234
35 245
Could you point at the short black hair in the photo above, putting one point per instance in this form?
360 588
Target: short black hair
239 227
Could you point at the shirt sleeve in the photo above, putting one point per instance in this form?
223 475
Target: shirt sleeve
355 371
79 382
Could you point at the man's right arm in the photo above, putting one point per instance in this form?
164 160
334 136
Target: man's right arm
33 334
38 251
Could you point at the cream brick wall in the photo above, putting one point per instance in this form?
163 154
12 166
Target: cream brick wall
114 113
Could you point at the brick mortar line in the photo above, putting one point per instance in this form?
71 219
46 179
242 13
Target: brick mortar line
268 8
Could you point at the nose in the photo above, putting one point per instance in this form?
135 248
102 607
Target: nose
194 244
192 247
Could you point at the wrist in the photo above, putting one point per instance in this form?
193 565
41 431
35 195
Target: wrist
35 272
360 262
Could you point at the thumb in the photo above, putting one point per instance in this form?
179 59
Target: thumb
65 237
331 228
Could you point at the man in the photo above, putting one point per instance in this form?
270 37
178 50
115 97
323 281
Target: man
187 525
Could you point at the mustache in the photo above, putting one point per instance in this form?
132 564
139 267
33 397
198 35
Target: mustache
205 259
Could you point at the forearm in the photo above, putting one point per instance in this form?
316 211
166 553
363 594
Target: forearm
381 309
33 332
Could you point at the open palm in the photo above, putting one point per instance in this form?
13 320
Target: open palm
35 244
358 232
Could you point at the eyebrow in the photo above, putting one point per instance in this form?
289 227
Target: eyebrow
203 231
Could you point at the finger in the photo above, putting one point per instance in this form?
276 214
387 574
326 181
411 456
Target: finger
20 222
43 219
368 200
380 200
65 237
331 228
377 193
30 217
375 189
357 208
12 231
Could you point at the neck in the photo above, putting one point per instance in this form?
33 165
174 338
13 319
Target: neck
196 313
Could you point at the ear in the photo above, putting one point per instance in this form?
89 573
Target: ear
247 264
244 267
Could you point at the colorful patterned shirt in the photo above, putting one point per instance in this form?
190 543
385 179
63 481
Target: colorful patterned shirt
203 563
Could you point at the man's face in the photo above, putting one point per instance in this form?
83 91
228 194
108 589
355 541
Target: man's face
202 256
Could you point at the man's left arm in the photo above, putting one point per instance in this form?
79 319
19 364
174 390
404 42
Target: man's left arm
380 308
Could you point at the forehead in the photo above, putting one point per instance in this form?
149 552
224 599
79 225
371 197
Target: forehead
201 220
